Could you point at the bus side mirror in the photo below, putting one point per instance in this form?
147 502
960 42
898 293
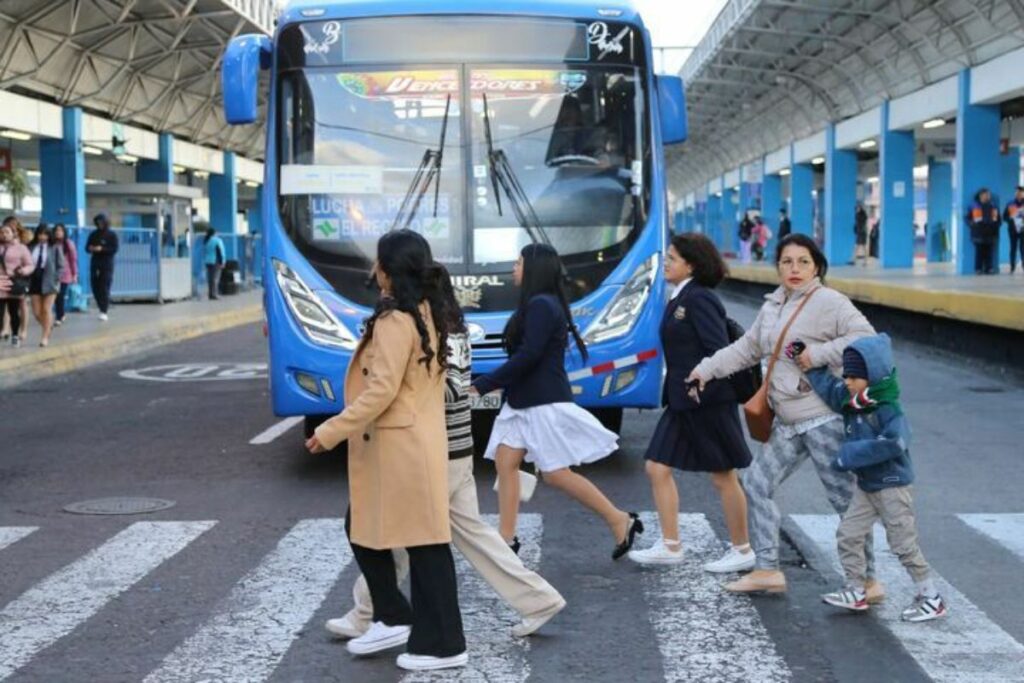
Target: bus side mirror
672 109
240 76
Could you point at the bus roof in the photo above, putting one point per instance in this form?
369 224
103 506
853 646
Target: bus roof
617 10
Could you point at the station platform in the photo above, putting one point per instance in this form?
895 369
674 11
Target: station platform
932 289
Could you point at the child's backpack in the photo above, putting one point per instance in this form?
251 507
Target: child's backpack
745 382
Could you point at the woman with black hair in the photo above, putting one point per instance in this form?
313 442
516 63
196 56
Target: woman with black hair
45 283
394 421
696 433
539 421
802 324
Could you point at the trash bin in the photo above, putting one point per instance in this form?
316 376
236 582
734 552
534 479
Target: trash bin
230 278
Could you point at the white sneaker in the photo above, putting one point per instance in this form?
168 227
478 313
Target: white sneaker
379 637
345 627
104 317
427 663
732 561
659 553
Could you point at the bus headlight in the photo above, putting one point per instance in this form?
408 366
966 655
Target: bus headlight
619 315
311 312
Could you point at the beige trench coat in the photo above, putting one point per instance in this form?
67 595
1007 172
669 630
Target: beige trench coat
398 447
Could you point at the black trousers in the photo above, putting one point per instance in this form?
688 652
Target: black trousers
984 257
434 614
101 275
13 308
1016 243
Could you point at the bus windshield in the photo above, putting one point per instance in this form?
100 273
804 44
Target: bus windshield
357 142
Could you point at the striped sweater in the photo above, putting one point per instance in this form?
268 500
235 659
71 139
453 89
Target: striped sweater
456 399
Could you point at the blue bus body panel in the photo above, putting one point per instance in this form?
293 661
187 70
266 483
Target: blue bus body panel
291 350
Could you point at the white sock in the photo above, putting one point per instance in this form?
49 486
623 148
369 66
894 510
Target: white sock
742 549
927 588
672 545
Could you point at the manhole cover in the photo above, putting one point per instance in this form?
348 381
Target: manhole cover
986 390
119 506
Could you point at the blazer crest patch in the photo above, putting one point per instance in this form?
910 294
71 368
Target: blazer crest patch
679 313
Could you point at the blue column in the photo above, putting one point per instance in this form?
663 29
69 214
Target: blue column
714 215
700 216
977 162
1010 172
256 215
62 165
160 170
840 199
896 181
727 220
771 202
747 193
940 210
801 201
224 197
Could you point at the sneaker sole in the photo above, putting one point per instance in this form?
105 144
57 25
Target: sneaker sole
378 646
849 608
730 570
448 663
350 634
933 617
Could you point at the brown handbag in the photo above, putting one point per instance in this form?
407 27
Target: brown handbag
758 412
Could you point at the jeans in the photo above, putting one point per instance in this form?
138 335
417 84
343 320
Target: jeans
1016 243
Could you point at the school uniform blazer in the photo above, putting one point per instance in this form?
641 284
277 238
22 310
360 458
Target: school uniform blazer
692 328
397 446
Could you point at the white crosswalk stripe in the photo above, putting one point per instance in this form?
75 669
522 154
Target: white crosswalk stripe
256 624
494 654
1005 529
705 633
965 646
60 603
13 534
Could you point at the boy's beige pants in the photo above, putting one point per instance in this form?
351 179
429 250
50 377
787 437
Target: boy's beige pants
895 508
524 590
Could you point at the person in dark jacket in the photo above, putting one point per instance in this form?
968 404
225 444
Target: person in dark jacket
860 234
983 220
698 432
102 246
876 450
1014 217
539 421
785 226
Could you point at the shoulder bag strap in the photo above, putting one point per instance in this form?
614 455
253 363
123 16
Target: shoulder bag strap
785 330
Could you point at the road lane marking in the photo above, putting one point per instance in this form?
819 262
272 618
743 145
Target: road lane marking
63 601
254 626
197 372
275 431
1005 529
965 646
703 631
494 653
13 534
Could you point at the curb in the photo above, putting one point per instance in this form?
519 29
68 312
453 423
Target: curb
80 354
995 310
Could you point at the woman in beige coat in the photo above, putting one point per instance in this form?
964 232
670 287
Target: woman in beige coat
394 422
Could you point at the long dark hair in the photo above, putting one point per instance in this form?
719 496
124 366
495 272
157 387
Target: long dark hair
404 256
456 321
542 274
800 240
41 229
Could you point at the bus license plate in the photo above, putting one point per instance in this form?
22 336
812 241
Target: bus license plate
491 401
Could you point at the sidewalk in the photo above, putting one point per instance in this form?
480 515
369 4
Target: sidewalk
930 288
85 340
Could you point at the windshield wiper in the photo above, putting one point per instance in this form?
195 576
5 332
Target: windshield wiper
429 171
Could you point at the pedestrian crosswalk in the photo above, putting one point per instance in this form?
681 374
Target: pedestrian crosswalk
700 631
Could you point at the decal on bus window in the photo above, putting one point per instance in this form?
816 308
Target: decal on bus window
366 217
319 179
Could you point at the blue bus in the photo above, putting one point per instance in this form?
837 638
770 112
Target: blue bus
484 126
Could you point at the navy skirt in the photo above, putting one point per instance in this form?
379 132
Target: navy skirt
708 439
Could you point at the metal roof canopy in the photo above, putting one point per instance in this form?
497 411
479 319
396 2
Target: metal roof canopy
769 72
153 63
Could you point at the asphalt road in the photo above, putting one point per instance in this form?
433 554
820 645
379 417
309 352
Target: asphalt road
236 580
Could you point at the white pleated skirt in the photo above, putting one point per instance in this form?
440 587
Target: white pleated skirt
555 436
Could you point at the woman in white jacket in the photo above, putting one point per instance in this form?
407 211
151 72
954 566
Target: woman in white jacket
805 427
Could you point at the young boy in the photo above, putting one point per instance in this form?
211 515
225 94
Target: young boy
877 433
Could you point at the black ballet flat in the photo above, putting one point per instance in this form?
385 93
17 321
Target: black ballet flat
515 545
635 527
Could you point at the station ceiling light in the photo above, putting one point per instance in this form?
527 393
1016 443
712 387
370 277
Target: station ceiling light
818 161
15 135
95 151
201 174
735 188
868 144
784 172
179 169
127 158
94 181
872 179
33 173
934 123
251 183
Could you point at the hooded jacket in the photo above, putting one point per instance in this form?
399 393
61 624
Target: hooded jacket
877 436
983 220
